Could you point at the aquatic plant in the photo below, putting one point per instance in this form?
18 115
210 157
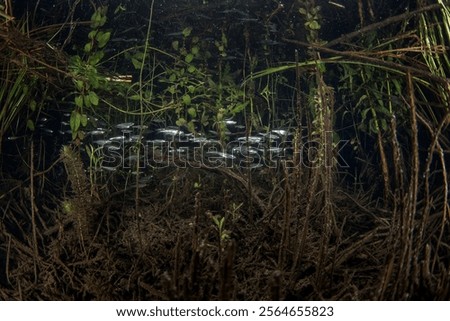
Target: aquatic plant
25 75
85 74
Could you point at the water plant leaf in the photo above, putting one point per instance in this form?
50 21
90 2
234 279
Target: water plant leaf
175 44
88 47
93 98
83 120
79 101
181 122
189 58
87 101
79 84
30 125
75 121
92 34
314 25
186 99
136 63
102 38
136 97
192 112
191 126
186 31
194 50
172 77
96 57
33 105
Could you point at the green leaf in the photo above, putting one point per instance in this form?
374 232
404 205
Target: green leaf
136 97
239 107
79 85
175 44
88 47
224 39
194 50
96 57
314 25
302 11
92 34
191 69
191 126
93 98
384 125
102 21
186 31
186 99
87 101
33 105
30 125
79 101
180 122
172 77
192 112
75 121
83 120
136 63
171 90
102 38
189 58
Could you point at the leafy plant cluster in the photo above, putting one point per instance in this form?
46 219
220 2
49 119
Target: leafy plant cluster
311 14
85 73
202 97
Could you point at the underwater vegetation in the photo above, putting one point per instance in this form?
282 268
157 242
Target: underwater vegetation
224 150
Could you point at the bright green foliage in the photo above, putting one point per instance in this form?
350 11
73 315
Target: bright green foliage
84 71
311 14
201 97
